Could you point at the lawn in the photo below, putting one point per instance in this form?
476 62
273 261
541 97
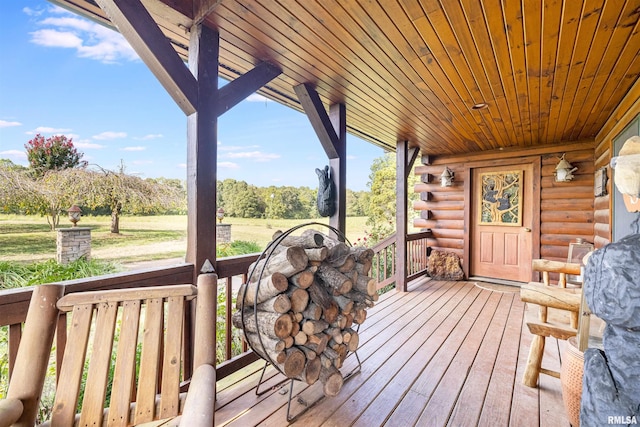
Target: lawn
141 238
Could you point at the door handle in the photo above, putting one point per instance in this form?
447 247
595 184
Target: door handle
527 229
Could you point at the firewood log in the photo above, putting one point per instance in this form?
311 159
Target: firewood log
340 322
335 333
300 338
288 262
299 299
317 254
331 313
348 264
349 322
278 304
317 342
362 253
345 304
311 371
320 295
365 284
305 278
270 286
294 363
274 325
308 239
354 340
334 279
332 381
312 312
360 316
338 255
268 348
363 267
325 360
312 327
310 354
359 299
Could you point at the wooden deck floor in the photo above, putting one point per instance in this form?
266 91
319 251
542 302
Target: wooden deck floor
445 353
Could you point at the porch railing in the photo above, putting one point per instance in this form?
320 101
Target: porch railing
231 271
384 261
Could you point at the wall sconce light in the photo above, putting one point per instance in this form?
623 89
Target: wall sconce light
564 171
74 214
446 178
220 214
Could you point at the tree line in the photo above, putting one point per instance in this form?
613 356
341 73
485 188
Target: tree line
58 178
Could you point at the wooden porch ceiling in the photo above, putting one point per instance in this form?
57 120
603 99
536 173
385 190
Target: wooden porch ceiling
550 71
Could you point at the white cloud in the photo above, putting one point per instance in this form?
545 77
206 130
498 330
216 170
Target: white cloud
228 165
138 148
258 156
55 38
6 124
182 165
89 39
31 12
351 157
110 135
149 137
48 130
16 154
87 144
256 97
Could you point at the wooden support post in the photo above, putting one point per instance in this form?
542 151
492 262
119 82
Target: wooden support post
202 135
405 157
338 117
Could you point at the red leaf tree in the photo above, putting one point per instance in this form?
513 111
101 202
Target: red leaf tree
54 153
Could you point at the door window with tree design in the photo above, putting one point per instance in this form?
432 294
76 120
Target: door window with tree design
501 198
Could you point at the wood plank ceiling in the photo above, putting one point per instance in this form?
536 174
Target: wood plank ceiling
550 71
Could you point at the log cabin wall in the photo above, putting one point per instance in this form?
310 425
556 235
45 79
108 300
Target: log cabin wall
566 209
626 111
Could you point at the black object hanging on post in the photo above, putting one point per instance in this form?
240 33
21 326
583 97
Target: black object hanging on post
326 192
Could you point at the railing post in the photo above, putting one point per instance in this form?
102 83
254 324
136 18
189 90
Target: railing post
35 348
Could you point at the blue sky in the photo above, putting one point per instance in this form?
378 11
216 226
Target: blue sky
62 74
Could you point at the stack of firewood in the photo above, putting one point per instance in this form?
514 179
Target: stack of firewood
313 292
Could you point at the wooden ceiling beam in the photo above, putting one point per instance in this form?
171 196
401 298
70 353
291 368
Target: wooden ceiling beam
319 118
137 26
243 86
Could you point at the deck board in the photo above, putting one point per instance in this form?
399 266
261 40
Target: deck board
444 353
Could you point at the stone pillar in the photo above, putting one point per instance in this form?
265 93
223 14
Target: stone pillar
73 243
223 233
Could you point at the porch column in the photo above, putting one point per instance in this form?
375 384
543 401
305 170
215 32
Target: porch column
202 151
405 157
338 165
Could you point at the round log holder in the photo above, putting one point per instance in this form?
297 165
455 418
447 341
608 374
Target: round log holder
269 250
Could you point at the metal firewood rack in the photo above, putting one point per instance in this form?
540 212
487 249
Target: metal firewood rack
269 250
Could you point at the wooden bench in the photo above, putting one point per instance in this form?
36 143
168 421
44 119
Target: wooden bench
105 332
546 295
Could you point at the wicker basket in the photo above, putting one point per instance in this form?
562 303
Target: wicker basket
571 380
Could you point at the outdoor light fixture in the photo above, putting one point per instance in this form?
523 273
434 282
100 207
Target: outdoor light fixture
220 214
446 179
74 214
564 171
480 106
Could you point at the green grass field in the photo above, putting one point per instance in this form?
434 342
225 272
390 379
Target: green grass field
141 238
